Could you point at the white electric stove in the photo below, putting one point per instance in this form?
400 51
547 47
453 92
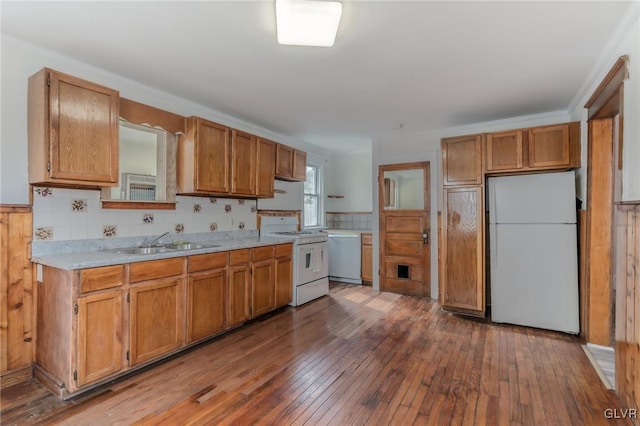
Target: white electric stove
310 257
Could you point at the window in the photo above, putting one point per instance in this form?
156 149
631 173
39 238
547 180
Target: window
312 190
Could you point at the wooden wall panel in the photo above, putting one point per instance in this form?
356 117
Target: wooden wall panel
16 289
599 232
627 339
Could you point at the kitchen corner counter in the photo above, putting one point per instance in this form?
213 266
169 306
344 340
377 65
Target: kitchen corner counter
107 257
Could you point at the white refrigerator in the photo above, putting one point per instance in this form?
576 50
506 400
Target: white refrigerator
533 251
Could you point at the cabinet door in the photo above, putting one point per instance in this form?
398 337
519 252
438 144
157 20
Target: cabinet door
262 287
367 263
212 157
463 286
83 120
284 161
299 165
238 294
243 163
549 146
99 336
266 168
284 280
206 304
462 160
155 320
504 151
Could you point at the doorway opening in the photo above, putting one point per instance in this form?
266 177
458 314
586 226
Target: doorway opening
405 221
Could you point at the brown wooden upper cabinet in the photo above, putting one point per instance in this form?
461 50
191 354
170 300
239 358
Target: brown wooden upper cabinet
203 158
537 148
549 146
72 131
266 166
504 151
299 165
462 160
291 163
244 160
216 160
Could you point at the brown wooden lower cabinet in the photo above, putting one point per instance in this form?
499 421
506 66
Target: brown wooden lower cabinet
94 324
263 280
155 320
206 300
463 236
366 256
284 274
239 282
99 336
79 334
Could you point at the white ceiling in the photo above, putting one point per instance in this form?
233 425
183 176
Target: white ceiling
423 65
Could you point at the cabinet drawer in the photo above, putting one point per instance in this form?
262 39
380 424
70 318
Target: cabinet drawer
284 250
203 262
367 239
153 269
239 256
262 253
100 278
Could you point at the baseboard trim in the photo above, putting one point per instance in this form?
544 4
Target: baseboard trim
603 377
14 377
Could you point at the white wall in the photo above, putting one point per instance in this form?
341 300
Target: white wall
20 60
349 175
626 41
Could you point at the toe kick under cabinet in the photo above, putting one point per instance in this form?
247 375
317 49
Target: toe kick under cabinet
98 323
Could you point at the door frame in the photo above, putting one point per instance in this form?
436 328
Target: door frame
426 167
605 104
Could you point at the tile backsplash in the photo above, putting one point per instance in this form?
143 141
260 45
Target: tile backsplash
346 220
74 214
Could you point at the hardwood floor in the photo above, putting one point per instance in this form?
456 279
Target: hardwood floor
355 357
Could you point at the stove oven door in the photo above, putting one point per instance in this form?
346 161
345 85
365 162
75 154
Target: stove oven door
312 262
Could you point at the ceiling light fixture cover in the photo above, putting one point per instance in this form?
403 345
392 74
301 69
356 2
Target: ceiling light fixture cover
307 22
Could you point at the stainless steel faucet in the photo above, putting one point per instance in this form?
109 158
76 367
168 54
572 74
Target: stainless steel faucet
156 239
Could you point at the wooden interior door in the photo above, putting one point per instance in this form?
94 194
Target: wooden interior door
405 246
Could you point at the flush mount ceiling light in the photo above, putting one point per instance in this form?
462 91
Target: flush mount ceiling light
307 22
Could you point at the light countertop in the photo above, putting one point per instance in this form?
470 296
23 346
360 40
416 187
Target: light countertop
95 258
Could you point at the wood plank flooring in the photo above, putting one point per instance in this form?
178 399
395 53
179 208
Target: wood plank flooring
356 357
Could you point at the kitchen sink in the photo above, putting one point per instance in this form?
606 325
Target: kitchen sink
189 246
144 250
166 248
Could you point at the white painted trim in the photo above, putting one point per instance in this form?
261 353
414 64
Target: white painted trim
604 64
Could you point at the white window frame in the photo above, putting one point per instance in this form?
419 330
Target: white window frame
320 195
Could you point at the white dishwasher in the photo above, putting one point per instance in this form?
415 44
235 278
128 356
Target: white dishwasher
344 256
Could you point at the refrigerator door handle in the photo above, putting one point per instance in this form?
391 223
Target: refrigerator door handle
493 213
494 246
